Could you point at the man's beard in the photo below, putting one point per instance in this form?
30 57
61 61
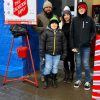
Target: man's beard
49 15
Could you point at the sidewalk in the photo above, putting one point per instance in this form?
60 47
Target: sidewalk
19 90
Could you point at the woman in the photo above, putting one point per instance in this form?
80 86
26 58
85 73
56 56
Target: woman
69 60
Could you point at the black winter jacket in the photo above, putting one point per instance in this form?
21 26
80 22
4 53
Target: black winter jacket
53 43
66 31
82 31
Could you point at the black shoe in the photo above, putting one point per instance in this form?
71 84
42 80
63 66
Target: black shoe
45 85
69 81
54 84
71 76
46 81
54 80
65 80
42 78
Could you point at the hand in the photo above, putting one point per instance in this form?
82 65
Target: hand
75 50
62 58
43 59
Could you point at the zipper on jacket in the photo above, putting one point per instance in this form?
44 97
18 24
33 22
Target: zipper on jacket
83 24
54 42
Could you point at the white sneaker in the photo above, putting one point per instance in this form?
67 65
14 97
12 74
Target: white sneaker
87 86
77 84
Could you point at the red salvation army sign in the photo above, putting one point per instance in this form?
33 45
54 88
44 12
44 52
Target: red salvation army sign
20 11
20 8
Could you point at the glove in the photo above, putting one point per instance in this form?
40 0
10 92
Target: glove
43 62
62 58
75 50
43 59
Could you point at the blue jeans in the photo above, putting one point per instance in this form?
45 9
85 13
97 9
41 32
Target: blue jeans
51 64
83 59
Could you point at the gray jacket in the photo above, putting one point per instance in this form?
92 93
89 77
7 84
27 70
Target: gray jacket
43 22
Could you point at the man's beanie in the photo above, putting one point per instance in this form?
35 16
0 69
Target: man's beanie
47 4
82 5
54 19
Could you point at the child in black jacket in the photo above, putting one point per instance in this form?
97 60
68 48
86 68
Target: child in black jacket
53 47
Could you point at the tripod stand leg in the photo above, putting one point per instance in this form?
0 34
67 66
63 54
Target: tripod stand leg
36 82
9 58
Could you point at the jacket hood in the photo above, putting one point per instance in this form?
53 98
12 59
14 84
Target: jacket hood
82 4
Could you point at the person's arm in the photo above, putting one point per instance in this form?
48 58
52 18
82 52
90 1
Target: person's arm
43 44
64 47
39 28
71 35
93 29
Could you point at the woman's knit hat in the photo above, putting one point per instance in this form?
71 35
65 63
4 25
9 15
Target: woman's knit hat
66 12
47 4
66 8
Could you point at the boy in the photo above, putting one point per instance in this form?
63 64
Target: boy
82 32
52 47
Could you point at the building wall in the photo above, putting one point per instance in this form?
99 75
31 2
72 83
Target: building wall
89 3
96 2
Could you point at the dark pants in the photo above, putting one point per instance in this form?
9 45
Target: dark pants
69 68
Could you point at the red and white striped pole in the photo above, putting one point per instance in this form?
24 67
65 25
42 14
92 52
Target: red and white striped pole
96 73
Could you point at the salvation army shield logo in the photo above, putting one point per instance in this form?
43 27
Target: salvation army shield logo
20 7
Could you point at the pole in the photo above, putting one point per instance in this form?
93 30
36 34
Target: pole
80 0
96 71
75 8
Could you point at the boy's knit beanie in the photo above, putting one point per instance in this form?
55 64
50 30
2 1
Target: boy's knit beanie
54 19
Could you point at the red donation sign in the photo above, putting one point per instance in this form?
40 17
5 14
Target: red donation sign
20 7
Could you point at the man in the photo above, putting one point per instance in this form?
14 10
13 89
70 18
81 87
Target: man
82 32
44 17
43 20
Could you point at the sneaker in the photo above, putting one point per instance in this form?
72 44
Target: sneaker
77 84
87 86
66 80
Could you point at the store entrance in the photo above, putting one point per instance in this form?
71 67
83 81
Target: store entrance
57 6
60 4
